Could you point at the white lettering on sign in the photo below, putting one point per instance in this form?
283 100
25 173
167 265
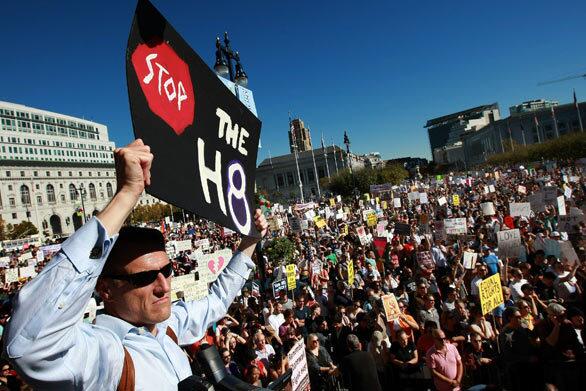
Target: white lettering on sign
178 91
206 174
234 137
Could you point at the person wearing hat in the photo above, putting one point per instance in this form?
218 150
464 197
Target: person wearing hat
135 344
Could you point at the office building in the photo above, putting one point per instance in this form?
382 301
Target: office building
530 106
445 132
55 170
299 136
523 129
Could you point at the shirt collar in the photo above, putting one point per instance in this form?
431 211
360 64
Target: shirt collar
122 328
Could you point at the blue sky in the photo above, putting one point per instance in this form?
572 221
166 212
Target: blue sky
378 69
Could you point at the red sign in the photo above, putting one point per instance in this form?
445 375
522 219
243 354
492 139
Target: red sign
165 81
509 222
380 244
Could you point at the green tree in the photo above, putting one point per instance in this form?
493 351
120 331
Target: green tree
280 250
345 182
21 230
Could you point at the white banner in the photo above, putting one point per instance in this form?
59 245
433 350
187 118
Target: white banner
561 206
487 208
298 364
520 209
509 243
182 245
455 226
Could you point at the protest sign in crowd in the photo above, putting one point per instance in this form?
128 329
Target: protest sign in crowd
471 281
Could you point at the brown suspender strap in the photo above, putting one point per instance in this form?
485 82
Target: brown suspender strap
127 379
171 334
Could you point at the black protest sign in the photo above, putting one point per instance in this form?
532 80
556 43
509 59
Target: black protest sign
402 229
205 141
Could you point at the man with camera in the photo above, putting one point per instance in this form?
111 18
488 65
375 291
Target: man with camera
135 345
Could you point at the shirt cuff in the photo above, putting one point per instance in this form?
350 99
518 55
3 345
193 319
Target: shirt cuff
241 264
88 248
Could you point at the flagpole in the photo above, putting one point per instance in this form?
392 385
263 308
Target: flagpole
510 136
578 110
273 170
537 128
335 158
555 123
294 141
501 139
315 171
522 131
325 150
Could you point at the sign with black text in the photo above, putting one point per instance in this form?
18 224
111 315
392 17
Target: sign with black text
205 141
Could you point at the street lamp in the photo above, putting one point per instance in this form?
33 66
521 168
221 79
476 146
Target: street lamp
81 191
223 65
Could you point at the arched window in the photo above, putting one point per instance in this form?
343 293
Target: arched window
72 192
93 195
109 190
25 195
51 194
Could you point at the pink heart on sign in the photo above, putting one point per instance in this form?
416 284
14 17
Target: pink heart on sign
212 265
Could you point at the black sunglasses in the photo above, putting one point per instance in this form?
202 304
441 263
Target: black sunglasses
145 278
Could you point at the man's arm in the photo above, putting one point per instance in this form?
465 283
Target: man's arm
45 338
192 318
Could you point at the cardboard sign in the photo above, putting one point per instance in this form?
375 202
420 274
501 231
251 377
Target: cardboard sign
371 219
469 260
425 260
561 206
396 202
521 189
275 223
182 245
188 287
351 272
211 265
344 230
423 198
402 229
380 244
391 307
205 141
520 209
11 275
491 188
204 244
442 201
298 364
291 277
28 271
509 243
413 196
278 286
362 235
384 205
319 222
456 200
491 293
295 224
568 252
537 202
550 194
487 208
570 223
455 226
381 227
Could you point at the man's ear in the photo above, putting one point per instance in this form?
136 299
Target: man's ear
103 287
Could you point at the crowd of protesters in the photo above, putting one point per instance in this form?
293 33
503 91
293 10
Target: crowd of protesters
442 339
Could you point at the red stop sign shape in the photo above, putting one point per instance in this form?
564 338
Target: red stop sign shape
165 81
509 222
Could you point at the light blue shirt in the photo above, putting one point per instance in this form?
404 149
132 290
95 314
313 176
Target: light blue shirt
54 349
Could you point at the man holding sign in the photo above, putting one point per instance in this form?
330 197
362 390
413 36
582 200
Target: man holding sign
136 343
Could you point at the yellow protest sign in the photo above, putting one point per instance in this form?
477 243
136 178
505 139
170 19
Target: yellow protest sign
377 200
319 221
351 272
384 205
367 196
491 293
371 220
332 202
291 281
456 200
344 230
